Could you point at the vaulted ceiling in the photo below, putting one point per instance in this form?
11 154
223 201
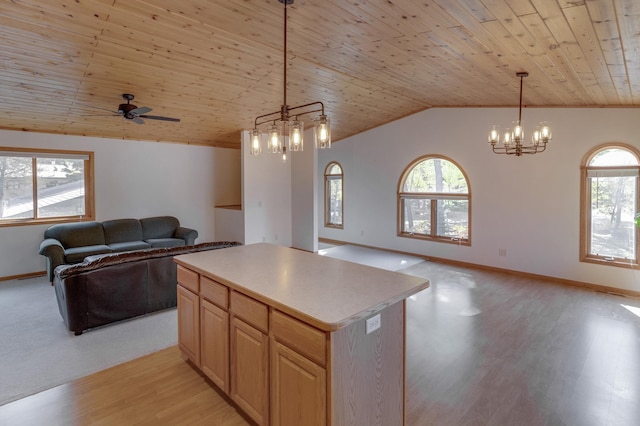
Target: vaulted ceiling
217 64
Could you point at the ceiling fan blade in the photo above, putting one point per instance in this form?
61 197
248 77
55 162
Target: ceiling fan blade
141 110
155 117
137 120
100 115
92 106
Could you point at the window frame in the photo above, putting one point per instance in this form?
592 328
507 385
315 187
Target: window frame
34 154
433 197
328 177
585 207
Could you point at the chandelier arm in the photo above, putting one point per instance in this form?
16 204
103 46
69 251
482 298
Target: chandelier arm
256 123
535 150
307 105
507 151
518 151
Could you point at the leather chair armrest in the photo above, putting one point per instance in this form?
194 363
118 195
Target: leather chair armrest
187 234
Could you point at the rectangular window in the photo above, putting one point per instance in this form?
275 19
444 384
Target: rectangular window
613 231
454 222
45 186
416 216
335 200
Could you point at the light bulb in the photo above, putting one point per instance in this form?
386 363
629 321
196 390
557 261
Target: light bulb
494 135
322 133
296 130
255 148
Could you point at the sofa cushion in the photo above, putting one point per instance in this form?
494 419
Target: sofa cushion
158 227
122 230
77 254
77 234
165 242
129 245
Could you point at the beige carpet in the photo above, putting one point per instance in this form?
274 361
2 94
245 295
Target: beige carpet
37 352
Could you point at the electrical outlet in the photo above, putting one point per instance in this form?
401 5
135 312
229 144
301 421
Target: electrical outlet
502 252
373 323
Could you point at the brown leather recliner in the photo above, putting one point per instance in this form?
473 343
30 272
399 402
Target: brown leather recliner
107 288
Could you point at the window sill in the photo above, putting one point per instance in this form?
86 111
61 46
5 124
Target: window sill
446 240
630 264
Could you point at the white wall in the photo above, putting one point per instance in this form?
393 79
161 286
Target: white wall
132 179
266 197
304 220
527 205
279 197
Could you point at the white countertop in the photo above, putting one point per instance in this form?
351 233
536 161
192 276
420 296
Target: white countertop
324 292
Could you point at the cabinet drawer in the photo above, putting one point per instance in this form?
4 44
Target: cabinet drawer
303 338
214 292
188 279
250 310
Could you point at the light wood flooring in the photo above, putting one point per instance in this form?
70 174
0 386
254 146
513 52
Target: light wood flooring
483 348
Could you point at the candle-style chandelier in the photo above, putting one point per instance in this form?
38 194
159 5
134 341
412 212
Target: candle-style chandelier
286 123
513 139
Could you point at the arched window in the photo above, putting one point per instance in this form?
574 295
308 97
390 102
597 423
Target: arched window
609 195
333 208
434 202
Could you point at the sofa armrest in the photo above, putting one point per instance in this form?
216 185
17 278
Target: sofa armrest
187 234
53 250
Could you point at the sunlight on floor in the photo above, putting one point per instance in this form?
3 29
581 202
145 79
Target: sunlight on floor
633 309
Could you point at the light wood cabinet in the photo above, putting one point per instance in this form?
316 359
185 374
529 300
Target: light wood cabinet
214 336
250 370
298 374
189 324
298 389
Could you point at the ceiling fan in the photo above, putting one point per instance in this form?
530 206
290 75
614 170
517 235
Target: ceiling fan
136 114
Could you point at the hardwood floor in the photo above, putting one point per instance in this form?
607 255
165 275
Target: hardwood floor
483 348
158 389
487 348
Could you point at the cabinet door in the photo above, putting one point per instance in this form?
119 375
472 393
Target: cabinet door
215 344
189 324
298 389
249 370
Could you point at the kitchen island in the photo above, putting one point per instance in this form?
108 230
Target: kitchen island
294 338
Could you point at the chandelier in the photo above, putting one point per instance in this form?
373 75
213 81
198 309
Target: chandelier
286 123
513 139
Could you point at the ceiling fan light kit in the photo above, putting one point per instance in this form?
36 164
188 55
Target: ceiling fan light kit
286 123
513 140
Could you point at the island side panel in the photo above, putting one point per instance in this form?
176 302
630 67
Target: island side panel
367 371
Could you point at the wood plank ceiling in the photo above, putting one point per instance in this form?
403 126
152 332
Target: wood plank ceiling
217 64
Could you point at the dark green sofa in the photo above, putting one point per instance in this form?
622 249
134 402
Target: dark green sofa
69 243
